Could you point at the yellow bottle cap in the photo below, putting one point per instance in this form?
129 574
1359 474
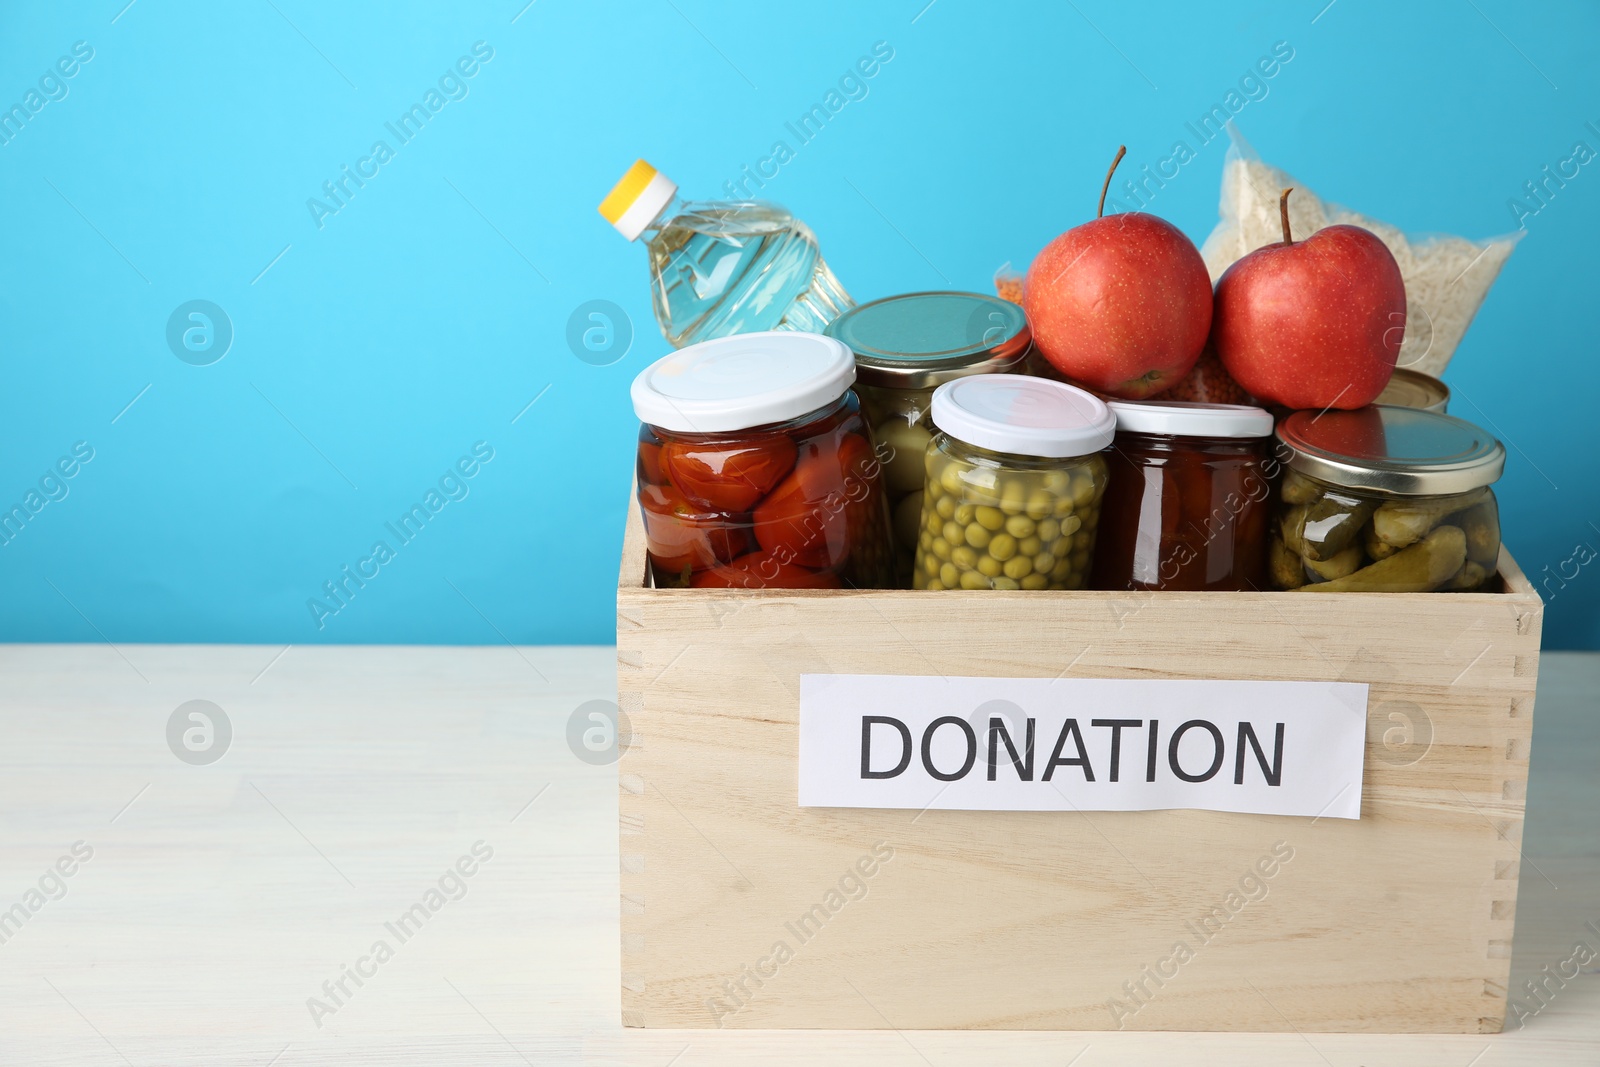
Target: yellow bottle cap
637 199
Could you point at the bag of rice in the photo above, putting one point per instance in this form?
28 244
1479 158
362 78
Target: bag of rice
1446 277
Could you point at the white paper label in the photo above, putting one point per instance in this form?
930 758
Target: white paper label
1097 744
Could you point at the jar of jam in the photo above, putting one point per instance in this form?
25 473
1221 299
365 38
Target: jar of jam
905 348
1189 497
1386 499
1013 487
756 468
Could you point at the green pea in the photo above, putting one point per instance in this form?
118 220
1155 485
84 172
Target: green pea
930 563
1049 530
941 548
1018 567
964 557
1084 489
1019 526
977 535
1003 582
974 580
1035 581
1061 571
935 584
1030 546
964 513
1002 547
1013 497
953 532
949 575
989 565
950 478
1069 525
945 507
1040 504
990 518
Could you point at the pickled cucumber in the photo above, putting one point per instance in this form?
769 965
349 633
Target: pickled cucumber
1469 577
1298 489
1288 570
1418 568
1403 522
984 526
1375 548
1331 524
1482 525
1344 563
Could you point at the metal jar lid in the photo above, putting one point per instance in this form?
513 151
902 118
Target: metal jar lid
1386 449
922 340
1413 389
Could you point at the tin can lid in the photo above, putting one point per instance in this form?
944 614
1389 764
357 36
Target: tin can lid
744 380
1413 389
1024 416
1387 449
1191 419
921 340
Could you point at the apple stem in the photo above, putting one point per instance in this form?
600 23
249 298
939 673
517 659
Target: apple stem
1100 211
1283 212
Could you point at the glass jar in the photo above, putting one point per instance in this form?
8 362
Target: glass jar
1188 498
756 468
1386 499
905 348
1413 389
1014 478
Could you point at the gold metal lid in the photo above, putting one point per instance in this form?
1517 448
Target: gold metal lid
1393 450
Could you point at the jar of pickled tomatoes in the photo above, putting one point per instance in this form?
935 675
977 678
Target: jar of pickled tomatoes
756 468
907 346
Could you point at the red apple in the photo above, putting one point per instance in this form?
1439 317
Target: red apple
1312 323
1120 304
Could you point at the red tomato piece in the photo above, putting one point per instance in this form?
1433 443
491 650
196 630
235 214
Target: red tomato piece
762 570
683 538
728 477
810 516
650 463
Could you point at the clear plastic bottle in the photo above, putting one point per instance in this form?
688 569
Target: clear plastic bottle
723 267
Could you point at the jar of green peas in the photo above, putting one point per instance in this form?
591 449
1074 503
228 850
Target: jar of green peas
1013 484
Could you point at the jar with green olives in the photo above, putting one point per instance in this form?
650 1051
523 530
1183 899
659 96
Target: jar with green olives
1386 500
1014 479
906 347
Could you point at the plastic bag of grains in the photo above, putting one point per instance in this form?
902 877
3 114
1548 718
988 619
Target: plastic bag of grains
1446 277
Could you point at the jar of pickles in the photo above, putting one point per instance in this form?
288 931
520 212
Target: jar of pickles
1014 478
905 348
756 468
1187 504
1386 499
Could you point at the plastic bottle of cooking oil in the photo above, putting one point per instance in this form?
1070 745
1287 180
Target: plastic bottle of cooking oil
720 267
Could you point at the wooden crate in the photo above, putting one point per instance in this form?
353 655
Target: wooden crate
1398 922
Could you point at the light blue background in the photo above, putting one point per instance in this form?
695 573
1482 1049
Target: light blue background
427 313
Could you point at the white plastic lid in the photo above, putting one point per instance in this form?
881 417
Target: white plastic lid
1186 419
1023 415
748 379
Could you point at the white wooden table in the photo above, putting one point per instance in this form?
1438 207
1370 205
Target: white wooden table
220 898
